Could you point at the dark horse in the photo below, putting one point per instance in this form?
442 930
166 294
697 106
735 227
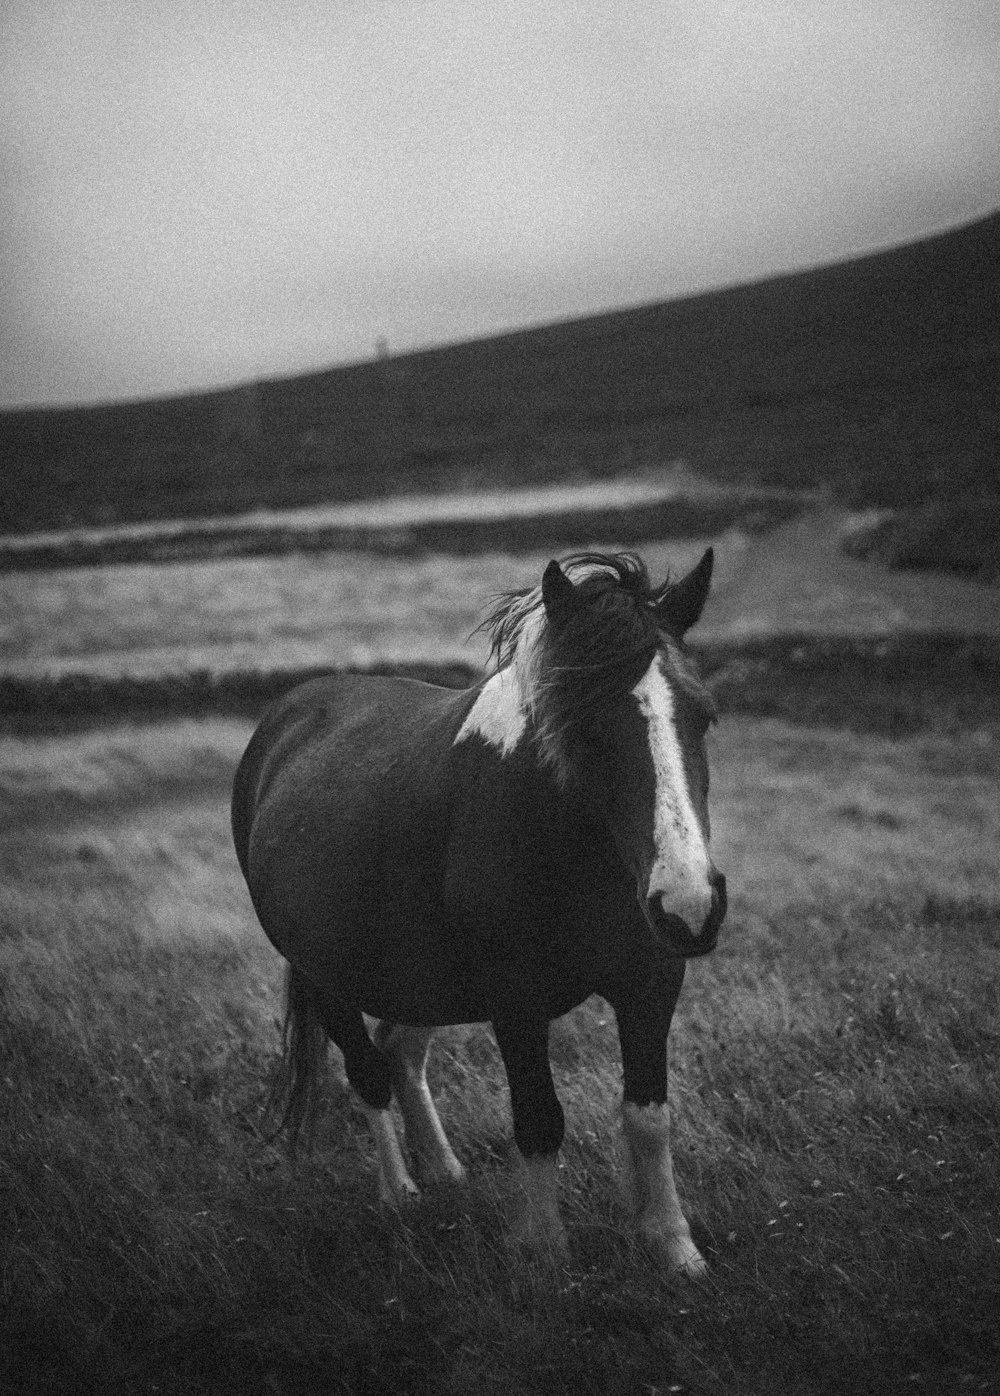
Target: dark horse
427 856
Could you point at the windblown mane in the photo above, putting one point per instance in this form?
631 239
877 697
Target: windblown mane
602 650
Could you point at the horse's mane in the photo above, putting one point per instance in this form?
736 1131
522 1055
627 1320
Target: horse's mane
599 653
608 579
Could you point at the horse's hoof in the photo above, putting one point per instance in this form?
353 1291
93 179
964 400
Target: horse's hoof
396 1199
541 1240
692 1266
680 1253
445 1171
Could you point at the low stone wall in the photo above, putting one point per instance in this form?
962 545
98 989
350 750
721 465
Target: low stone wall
626 524
894 685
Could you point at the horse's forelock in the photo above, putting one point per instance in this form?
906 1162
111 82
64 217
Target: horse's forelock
597 653
596 656
602 576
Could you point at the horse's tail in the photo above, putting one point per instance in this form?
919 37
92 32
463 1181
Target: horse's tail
298 1079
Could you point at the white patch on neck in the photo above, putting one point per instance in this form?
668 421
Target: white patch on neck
681 864
498 715
501 712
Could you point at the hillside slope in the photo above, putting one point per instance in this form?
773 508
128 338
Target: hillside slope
878 376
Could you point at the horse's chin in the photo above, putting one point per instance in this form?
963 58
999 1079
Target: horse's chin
672 937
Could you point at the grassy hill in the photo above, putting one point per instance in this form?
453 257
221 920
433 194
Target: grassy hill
878 376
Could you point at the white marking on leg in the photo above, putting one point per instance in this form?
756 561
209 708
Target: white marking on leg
681 867
395 1185
651 1174
406 1049
537 1223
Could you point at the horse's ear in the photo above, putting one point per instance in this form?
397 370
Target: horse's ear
684 602
558 592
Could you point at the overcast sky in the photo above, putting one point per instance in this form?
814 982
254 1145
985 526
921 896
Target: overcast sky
197 192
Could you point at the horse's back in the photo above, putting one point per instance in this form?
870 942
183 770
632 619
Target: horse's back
351 720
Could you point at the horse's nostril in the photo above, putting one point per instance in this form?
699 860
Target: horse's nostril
687 936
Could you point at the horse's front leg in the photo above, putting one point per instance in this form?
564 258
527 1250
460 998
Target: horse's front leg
643 1025
538 1129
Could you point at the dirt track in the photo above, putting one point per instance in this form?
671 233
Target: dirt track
794 579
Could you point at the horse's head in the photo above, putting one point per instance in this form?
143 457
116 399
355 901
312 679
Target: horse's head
621 713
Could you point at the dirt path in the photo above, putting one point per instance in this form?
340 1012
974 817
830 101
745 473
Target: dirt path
795 579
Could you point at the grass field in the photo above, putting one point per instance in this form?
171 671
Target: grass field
267 612
336 608
835 1087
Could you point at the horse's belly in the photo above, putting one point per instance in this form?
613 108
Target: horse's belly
404 957
438 991
392 951
368 906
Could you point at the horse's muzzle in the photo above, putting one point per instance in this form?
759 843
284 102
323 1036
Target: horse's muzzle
674 935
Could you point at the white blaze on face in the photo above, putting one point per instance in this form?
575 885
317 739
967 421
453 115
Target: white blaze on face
681 863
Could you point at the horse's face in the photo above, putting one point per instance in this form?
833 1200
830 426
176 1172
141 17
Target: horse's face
644 766
655 781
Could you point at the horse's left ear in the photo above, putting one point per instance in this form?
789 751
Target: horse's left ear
558 592
684 602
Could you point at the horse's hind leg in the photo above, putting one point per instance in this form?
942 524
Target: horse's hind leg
395 1185
369 1073
406 1050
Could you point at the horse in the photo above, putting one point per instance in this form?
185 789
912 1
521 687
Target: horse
429 856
